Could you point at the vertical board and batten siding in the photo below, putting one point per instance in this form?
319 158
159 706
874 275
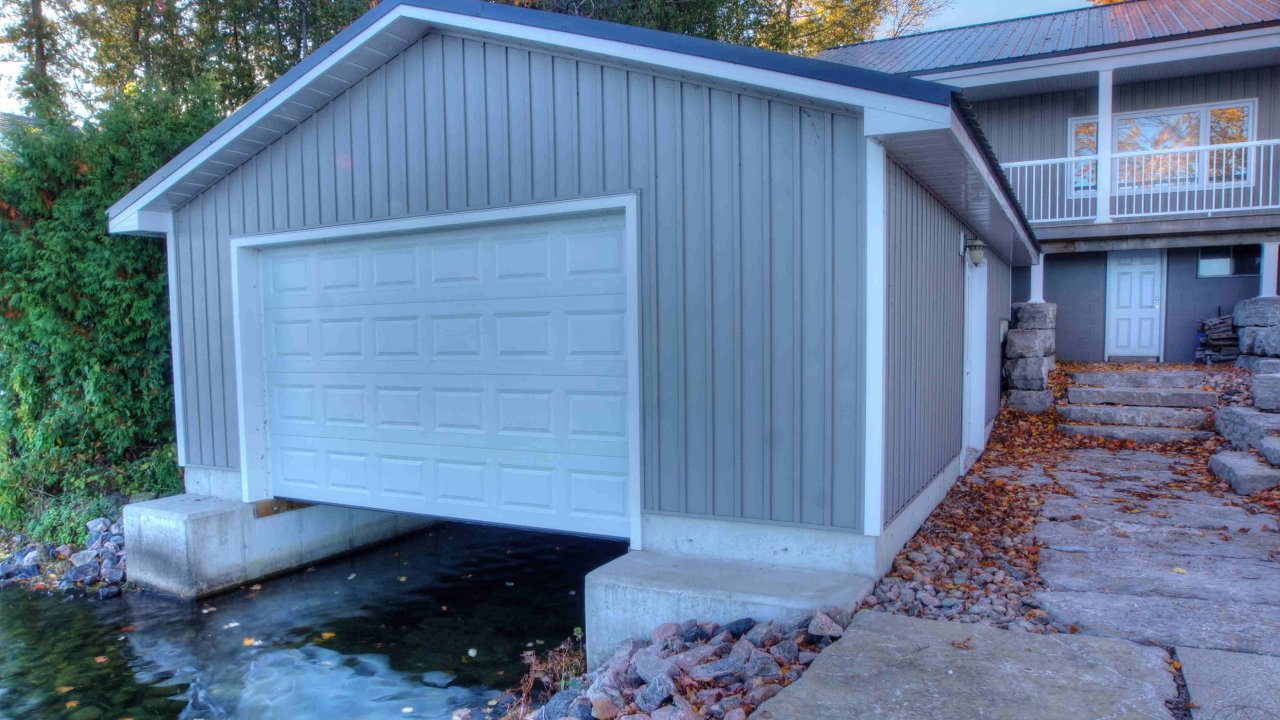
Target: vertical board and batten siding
1035 127
999 307
925 338
750 214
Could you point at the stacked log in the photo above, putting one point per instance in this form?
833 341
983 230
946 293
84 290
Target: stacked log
1218 341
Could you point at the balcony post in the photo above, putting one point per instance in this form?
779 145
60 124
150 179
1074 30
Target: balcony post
1036 294
1105 143
1267 278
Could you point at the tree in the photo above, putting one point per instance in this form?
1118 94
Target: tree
904 17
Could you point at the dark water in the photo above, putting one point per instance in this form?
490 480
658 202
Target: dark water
428 624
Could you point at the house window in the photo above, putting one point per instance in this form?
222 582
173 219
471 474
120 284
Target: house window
1138 138
1229 261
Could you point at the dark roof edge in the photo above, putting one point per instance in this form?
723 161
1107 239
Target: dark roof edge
1081 51
821 70
969 119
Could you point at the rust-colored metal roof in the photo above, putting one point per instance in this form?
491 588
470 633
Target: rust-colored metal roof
1070 31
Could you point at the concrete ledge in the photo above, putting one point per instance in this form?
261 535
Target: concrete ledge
753 542
630 596
195 545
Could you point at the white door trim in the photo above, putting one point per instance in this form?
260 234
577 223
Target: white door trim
246 293
1107 316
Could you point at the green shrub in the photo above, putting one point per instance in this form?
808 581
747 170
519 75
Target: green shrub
85 388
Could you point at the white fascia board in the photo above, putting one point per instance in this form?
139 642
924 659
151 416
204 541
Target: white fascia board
978 159
899 112
1113 59
152 223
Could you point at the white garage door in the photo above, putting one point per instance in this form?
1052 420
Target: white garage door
478 374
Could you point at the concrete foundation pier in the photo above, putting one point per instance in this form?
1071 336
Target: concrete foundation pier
196 545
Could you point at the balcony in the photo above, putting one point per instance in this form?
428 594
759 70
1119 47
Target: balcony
1205 181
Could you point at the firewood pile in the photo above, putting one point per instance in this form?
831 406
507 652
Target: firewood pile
1218 341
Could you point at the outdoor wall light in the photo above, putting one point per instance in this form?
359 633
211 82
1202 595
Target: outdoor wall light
975 248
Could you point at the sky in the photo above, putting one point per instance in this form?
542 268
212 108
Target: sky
961 12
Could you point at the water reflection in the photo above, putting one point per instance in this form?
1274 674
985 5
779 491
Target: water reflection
416 629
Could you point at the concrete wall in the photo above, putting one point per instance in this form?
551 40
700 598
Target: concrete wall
1189 299
925 373
751 265
999 307
1077 282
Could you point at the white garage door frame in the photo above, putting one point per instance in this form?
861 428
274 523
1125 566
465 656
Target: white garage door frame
248 314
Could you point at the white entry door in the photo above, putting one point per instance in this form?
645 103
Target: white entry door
478 373
1135 303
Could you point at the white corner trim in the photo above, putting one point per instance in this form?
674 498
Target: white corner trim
976 343
175 343
914 112
875 341
246 292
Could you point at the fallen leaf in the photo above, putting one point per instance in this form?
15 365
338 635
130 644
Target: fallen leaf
100 659
962 644
65 689
1180 571
325 636
71 703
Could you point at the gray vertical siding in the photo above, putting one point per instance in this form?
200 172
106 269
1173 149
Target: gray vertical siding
1190 299
1077 282
750 251
999 308
1035 127
925 338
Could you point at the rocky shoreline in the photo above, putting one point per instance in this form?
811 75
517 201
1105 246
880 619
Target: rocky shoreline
698 670
98 571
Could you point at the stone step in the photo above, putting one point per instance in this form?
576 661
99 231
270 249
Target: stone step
1143 416
1144 397
1249 428
1246 473
1206 577
1140 379
1134 433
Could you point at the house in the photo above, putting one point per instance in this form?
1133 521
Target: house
470 261
1185 219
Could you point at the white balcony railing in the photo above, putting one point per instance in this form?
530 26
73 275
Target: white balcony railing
1184 181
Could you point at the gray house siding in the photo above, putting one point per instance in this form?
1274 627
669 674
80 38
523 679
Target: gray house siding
1077 282
750 251
1035 127
999 308
925 332
1190 299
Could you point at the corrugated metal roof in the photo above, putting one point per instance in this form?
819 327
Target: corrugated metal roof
1070 31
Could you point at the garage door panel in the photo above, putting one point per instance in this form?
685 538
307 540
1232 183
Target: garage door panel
560 335
566 414
583 257
583 493
479 374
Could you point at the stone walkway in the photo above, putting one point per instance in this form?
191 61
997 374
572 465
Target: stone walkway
1142 559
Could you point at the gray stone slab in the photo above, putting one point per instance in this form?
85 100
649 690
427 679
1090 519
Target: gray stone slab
1246 473
1127 537
1140 379
1220 625
1269 448
892 667
1032 401
1266 391
1126 415
1028 373
1246 427
1258 311
1176 512
1254 363
1263 341
1035 316
1231 686
1147 397
1205 578
1136 434
1028 343
1119 462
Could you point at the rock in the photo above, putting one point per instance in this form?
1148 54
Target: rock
1257 312
717 669
738 627
663 632
1031 401
1264 341
695 655
63 551
696 634
736 714
106 593
1035 316
1266 392
560 703
580 709
823 626
1245 472
98 525
1028 373
1029 343
1256 364
786 651
671 712
1144 416
762 634
763 667
650 667
84 557
653 695
1146 397
1231 685
83 574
